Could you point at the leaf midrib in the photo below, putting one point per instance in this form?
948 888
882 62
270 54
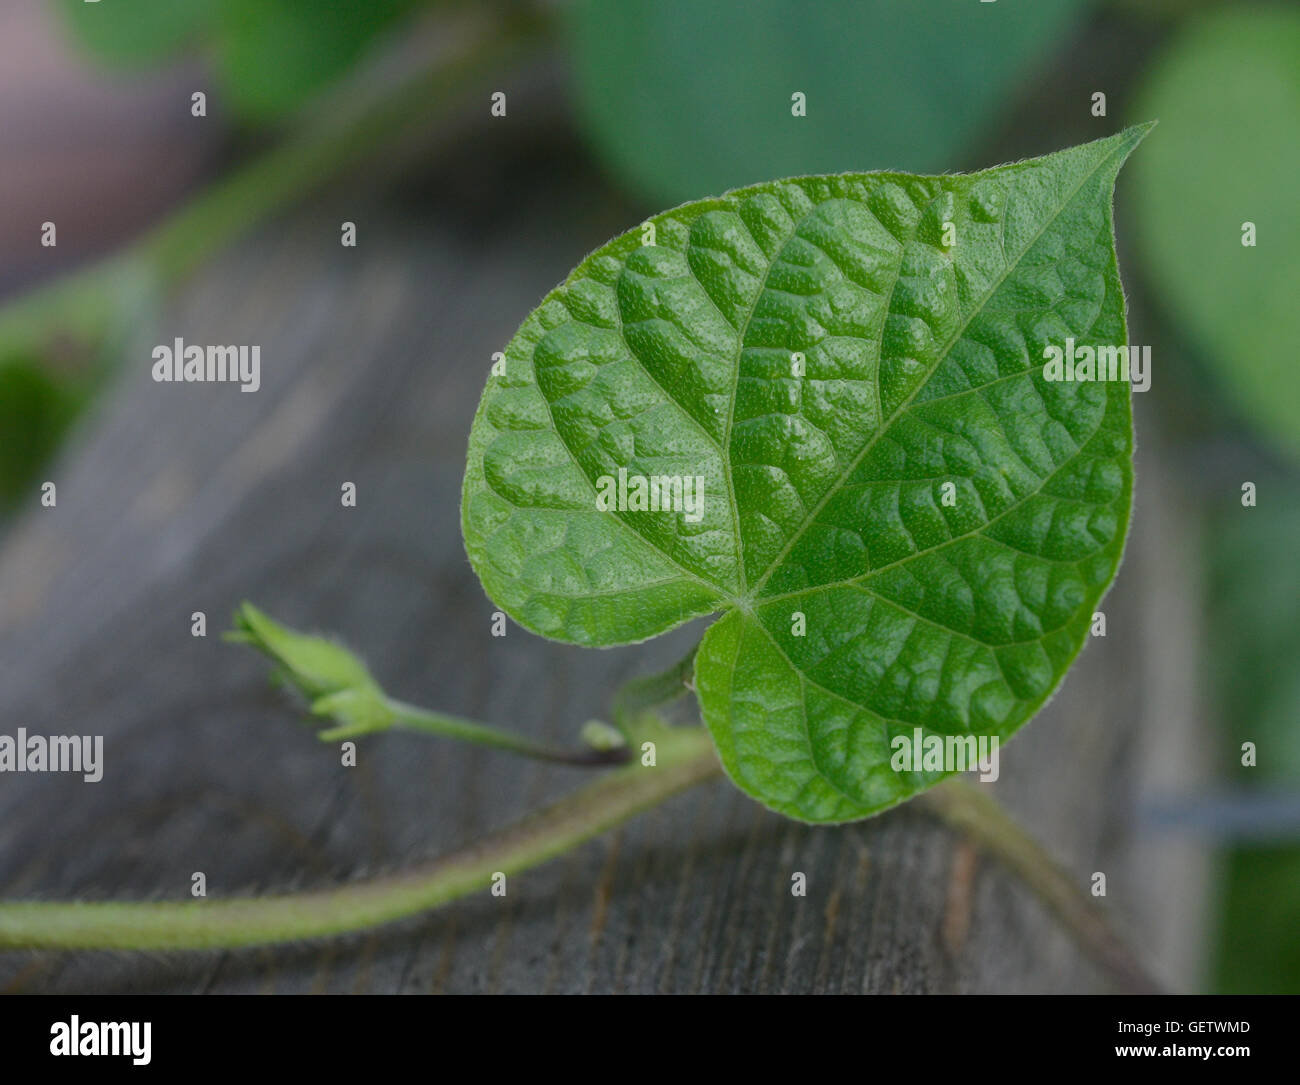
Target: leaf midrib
752 595
749 596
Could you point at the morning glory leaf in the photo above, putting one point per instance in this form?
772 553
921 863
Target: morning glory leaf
819 406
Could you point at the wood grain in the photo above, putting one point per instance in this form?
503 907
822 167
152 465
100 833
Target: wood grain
177 499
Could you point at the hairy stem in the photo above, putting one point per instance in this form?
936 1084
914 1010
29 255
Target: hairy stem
408 717
684 758
975 813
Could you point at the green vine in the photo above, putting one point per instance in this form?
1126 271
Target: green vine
658 762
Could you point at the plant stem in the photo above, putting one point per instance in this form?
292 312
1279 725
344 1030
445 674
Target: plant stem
408 717
969 810
653 690
338 685
343 140
82 306
684 758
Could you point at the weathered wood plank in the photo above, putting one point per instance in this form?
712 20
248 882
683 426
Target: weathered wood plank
180 499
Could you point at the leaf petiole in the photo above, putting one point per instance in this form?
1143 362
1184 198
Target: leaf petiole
408 717
653 690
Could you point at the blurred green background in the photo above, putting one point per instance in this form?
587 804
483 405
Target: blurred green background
675 100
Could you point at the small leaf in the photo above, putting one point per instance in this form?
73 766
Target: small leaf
315 667
359 710
905 524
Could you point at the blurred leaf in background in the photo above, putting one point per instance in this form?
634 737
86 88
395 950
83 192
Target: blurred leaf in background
275 54
1254 602
1159 10
36 408
1259 952
684 100
56 355
272 55
141 32
1254 630
59 341
1227 95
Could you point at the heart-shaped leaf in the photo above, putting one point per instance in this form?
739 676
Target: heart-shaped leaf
819 405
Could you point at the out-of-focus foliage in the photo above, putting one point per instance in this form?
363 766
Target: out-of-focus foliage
682 98
271 55
1254 627
1259 950
1159 10
36 408
274 55
1227 95
54 356
138 32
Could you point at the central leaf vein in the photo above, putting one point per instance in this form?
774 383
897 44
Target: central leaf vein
907 403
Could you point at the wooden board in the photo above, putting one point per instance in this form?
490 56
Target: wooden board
176 499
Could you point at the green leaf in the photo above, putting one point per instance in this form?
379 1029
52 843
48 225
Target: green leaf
358 710
275 54
131 32
824 493
1228 99
317 668
680 97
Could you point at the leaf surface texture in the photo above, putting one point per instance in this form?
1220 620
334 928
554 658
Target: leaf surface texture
904 524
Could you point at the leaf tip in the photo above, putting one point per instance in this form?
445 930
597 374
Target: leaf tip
1114 150
1134 134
